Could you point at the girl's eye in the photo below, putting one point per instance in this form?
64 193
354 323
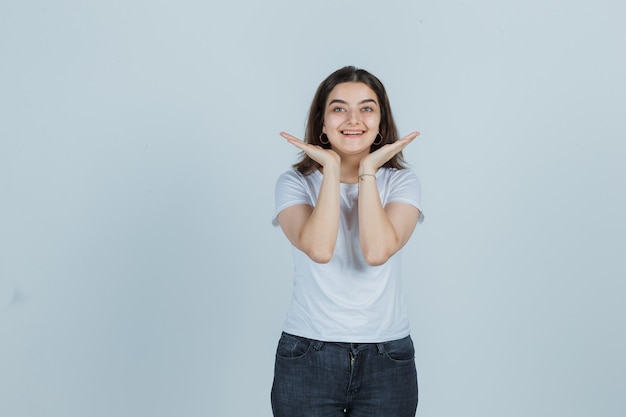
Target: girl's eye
338 109
367 109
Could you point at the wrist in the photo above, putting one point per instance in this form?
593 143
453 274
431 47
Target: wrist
365 176
331 171
367 170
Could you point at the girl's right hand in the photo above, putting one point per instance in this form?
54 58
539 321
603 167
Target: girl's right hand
324 157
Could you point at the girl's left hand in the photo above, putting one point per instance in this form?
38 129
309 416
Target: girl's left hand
376 159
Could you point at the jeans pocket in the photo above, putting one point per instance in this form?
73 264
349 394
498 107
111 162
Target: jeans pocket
292 347
401 350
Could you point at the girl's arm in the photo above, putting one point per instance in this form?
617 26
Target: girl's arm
383 230
314 230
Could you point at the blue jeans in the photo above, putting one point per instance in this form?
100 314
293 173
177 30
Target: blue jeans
326 379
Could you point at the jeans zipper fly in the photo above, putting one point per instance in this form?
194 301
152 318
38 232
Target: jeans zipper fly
351 361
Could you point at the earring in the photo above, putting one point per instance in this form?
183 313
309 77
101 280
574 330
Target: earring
323 135
378 141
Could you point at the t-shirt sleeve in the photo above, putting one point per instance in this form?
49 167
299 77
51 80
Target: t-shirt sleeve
405 187
290 190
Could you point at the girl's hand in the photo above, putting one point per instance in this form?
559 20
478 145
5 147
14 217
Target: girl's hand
376 159
324 157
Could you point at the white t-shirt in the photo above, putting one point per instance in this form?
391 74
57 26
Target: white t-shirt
347 300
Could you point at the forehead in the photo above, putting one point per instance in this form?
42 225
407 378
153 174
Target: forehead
352 92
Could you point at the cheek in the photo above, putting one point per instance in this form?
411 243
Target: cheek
333 119
372 120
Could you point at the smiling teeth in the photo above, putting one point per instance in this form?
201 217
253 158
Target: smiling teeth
352 133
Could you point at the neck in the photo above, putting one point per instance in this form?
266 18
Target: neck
349 170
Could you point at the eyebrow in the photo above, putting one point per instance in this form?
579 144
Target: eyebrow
367 100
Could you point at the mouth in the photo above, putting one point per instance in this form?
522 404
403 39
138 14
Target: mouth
352 132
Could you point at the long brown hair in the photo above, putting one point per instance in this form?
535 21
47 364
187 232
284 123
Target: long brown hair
315 121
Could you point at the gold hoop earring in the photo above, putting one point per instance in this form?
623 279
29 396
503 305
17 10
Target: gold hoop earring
377 141
322 140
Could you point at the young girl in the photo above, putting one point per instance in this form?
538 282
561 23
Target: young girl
348 208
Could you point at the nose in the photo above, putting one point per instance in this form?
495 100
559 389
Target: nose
354 117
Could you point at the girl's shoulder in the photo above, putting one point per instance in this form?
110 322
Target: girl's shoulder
293 176
395 175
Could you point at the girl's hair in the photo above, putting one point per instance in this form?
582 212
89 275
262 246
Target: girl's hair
315 121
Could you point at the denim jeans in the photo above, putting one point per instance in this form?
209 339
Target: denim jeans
326 379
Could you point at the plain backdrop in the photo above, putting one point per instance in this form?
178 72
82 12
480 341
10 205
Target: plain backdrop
139 271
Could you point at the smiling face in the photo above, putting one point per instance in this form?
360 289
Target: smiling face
339 86
351 118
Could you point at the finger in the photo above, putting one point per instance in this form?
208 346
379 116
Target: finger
289 137
400 144
410 136
294 141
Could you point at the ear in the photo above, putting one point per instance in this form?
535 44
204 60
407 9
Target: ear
323 128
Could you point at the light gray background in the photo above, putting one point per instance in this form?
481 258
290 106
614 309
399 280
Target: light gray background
139 272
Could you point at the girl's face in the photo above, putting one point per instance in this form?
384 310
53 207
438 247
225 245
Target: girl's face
351 118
